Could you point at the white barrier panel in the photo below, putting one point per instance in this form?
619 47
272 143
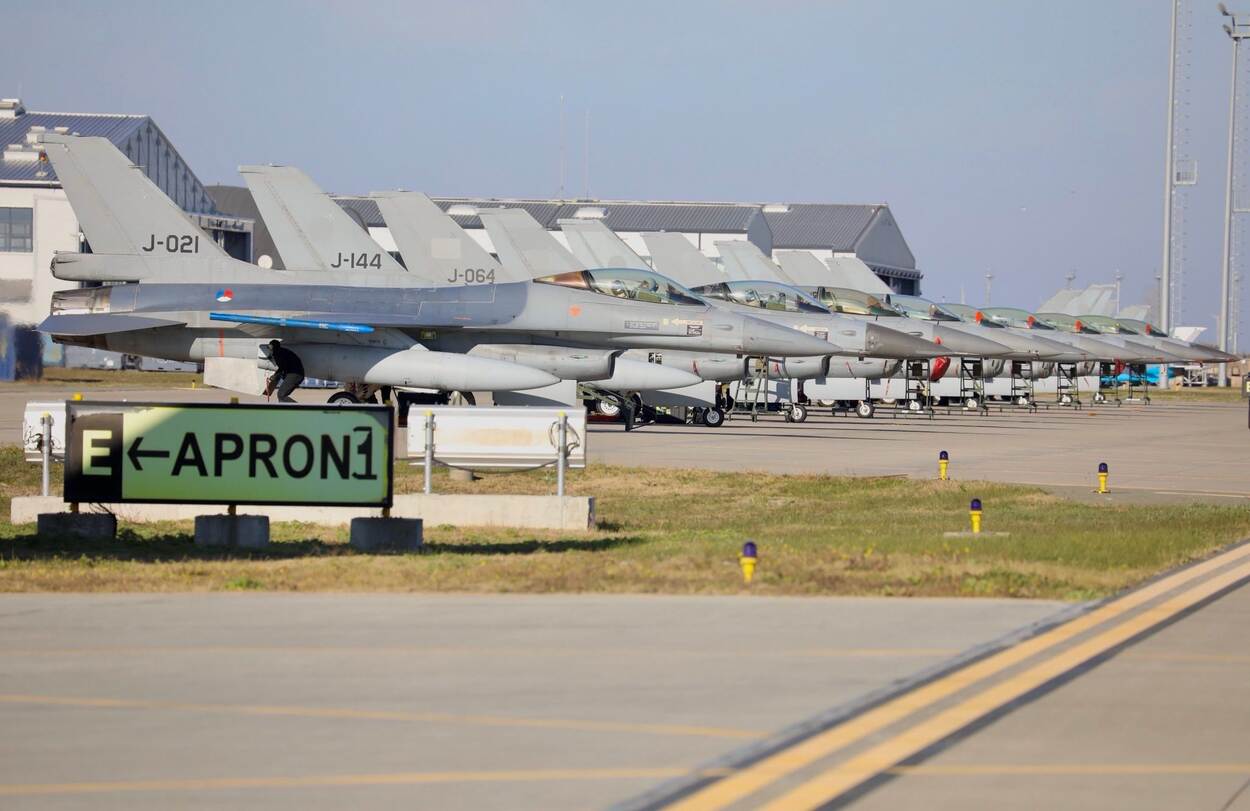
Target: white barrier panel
32 429
497 437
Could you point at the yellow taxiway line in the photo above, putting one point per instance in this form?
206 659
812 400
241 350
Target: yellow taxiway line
332 780
847 775
1068 769
381 715
775 767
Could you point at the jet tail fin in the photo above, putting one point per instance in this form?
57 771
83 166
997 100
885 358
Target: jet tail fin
677 258
309 229
120 210
435 247
851 272
524 245
803 268
743 260
597 246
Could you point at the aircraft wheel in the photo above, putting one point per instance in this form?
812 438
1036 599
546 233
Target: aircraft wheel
865 409
798 413
1066 399
1022 400
607 409
713 417
913 405
343 398
971 403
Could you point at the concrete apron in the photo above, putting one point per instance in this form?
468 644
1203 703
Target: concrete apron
522 512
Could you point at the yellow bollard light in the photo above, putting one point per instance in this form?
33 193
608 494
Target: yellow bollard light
944 461
974 512
1102 478
747 561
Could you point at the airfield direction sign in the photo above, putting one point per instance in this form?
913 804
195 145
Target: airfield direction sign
229 454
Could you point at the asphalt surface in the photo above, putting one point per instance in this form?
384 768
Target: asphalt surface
1164 452
1163 725
371 701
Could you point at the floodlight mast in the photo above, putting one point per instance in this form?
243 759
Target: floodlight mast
1237 30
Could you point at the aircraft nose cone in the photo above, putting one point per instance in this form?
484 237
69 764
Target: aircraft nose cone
763 338
958 342
883 342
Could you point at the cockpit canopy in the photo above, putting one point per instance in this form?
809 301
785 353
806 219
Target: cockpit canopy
1014 317
917 307
1105 323
854 302
1066 323
765 295
634 284
971 315
1143 327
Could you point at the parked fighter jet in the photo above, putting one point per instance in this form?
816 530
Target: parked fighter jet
1170 351
1196 352
744 259
770 300
1098 345
181 297
437 252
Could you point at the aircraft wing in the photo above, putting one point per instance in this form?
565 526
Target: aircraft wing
597 246
677 258
435 247
744 261
309 229
523 245
851 272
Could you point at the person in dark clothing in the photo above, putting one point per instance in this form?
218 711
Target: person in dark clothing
289 375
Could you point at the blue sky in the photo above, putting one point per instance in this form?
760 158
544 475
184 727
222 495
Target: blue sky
1020 138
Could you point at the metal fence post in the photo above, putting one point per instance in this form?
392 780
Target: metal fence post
429 451
562 459
46 421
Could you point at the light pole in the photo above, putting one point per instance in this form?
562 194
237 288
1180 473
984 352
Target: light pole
989 286
1118 278
1237 29
1165 302
1071 277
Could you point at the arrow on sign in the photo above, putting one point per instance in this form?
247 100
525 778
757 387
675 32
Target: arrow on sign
134 454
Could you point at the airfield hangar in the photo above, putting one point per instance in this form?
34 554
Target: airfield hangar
36 219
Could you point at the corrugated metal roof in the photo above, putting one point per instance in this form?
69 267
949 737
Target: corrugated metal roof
707 218
619 215
117 128
827 226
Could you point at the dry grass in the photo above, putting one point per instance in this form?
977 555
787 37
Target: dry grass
673 531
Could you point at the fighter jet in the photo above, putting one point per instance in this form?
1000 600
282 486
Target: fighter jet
743 258
179 296
1201 353
1100 346
1166 351
313 227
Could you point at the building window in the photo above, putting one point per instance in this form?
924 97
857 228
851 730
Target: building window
17 233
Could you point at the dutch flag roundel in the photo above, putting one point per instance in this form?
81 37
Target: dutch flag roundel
225 294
